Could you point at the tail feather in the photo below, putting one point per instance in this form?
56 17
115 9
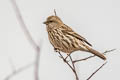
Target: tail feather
100 55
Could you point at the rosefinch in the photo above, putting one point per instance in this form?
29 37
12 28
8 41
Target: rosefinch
64 39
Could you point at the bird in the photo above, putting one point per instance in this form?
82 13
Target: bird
65 39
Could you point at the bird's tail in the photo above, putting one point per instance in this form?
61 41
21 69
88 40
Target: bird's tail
96 53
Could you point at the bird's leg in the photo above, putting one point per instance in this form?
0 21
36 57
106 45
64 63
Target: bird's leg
61 56
58 51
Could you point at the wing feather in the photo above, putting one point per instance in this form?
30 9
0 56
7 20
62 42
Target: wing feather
68 30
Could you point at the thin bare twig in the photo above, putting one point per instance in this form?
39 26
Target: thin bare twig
72 68
65 61
96 71
93 56
28 36
73 63
55 12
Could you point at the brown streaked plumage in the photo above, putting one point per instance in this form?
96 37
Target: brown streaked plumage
64 39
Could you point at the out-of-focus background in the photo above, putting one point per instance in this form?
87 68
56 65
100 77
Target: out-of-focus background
97 20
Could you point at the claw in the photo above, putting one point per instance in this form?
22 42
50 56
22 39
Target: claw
56 50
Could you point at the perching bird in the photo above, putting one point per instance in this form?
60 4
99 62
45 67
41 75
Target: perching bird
64 39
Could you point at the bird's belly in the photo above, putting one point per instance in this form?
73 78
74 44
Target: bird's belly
68 47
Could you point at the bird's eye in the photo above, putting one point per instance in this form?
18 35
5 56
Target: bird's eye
50 21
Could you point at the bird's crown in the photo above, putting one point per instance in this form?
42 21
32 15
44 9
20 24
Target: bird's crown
54 19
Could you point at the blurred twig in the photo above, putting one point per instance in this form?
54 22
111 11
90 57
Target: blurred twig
28 36
17 71
23 25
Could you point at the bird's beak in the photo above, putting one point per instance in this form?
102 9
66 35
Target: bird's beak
45 22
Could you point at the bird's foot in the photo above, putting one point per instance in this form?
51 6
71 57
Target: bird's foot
56 50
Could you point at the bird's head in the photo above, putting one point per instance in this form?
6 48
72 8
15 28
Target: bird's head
53 19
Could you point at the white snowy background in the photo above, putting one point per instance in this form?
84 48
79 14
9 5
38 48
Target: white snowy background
97 20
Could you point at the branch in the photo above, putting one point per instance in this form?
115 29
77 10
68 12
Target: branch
93 56
23 25
73 63
28 36
55 12
37 66
16 72
96 71
72 68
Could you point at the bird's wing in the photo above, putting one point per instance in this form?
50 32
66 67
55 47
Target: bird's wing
69 31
